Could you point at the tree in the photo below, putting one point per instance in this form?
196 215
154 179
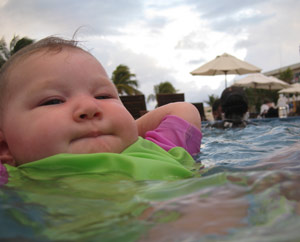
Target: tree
287 75
121 77
211 99
163 87
15 45
256 97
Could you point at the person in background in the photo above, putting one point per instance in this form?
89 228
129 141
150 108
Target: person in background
282 101
264 109
268 109
234 104
217 110
282 105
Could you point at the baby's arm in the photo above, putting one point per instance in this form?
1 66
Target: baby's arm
152 119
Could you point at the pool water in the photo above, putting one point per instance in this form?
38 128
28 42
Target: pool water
248 191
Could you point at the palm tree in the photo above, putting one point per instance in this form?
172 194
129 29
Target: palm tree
163 87
256 97
121 77
15 45
211 99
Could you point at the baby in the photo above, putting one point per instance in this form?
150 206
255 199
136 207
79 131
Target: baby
56 98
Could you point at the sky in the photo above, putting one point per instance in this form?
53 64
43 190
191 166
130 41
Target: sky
166 40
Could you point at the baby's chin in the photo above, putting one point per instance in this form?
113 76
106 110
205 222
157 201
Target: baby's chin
101 144
92 148
86 147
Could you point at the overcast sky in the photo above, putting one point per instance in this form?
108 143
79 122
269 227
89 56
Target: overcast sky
166 40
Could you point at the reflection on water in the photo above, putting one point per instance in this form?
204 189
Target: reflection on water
249 191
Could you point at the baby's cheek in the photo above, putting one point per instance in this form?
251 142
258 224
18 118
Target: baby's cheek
33 144
15 138
130 130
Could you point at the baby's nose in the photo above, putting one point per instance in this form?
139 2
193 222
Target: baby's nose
89 115
87 110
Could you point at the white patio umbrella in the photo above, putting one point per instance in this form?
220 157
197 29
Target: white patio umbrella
294 88
261 81
225 64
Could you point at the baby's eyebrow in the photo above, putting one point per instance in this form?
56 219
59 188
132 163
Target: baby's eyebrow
102 82
95 83
49 84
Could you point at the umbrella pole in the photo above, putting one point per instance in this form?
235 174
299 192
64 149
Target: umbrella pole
225 79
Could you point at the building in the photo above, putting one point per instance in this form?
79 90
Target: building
295 69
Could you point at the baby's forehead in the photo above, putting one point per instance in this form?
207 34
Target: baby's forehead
33 55
65 55
45 54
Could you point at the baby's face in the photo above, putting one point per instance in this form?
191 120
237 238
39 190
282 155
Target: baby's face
64 103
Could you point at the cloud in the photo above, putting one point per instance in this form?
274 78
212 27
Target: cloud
239 22
196 62
148 73
189 42
196 94
270 28
275 42
212 9
65 16
156 22
166 40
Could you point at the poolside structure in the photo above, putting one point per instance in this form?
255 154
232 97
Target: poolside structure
295 68
200 108
135 104
165 98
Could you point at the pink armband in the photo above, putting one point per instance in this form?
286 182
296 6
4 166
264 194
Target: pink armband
173 132
3 175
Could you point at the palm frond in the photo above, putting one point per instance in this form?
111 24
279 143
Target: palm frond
3 49
122 78
13 43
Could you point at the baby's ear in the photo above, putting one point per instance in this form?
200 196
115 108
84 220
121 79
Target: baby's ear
5 155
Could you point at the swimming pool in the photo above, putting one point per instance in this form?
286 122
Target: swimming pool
248 191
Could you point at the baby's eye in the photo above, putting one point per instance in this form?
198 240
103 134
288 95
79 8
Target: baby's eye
103 97
51 102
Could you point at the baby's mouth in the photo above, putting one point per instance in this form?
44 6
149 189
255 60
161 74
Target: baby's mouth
92 134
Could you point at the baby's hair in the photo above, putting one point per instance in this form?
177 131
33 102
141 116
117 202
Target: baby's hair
51 43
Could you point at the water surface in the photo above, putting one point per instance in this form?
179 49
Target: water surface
248 191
